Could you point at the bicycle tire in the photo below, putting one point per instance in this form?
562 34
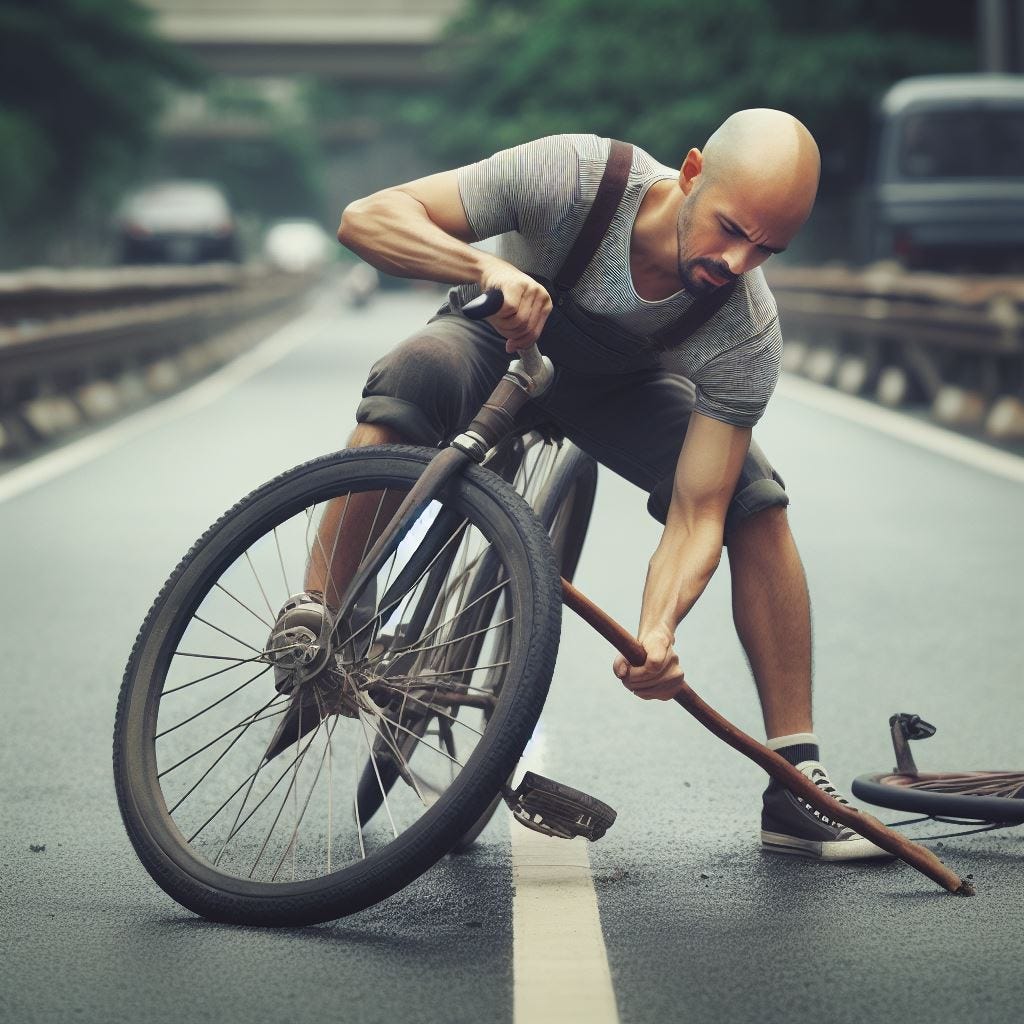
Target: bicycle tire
189 873
945 795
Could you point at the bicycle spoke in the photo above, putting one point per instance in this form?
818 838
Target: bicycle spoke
235 831
413 648
427 680
218 657
251 780
238 601
330 792
224 632
210 707
398 725
220 757
244 723
293 840
355 807
455 640
259 583
402 765
202 679
280 558
385 612
376 771
284 800
248 780
440 714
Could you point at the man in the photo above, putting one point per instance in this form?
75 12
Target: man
633 277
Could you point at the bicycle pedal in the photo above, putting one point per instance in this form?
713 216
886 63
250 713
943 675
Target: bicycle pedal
555 809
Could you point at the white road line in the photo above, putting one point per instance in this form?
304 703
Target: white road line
905 428
560 962
47 467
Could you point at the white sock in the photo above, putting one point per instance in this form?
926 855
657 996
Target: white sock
792 740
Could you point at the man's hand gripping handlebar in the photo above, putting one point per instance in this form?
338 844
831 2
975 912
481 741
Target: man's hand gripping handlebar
528 377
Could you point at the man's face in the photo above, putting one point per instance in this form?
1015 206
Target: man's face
721 238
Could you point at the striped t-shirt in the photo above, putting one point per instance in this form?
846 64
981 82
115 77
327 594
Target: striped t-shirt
535 197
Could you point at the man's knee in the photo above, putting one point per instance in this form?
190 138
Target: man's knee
763 525
415 392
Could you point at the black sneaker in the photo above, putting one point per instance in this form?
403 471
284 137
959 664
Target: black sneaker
791 825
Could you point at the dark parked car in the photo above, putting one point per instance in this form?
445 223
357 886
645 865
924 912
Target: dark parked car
177 222
947 185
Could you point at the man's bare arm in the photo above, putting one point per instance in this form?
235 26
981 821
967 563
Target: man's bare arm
690 548
420 230
415 230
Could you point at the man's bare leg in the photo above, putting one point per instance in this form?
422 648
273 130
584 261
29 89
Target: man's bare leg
363 517
772 612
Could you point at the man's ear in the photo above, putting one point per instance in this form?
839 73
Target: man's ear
693 165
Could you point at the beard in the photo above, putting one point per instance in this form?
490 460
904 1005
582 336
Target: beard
688 266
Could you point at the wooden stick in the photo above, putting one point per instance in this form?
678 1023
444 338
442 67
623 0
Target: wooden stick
774 764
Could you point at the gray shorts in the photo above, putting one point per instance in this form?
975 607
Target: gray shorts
430 387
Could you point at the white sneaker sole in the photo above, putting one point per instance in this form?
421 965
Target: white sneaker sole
836 850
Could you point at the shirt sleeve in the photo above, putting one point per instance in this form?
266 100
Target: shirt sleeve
735 386
530 188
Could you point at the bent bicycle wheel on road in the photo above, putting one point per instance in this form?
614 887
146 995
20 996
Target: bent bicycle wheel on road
238 836
974 795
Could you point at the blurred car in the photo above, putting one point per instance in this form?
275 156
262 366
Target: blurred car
947 186
297 245
177 222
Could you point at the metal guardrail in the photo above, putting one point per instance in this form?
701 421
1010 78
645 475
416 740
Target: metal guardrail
953 344
79 346
42 294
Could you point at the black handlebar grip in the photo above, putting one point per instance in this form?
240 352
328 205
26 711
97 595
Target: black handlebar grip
484 305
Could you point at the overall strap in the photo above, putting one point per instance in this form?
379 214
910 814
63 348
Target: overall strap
609 193
698 314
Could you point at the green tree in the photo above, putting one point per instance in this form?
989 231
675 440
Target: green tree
665 73
81 84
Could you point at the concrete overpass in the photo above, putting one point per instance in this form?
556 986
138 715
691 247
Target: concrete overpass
348 40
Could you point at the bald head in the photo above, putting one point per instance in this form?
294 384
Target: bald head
768 154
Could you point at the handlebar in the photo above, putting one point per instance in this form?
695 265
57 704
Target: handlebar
487 304
484 305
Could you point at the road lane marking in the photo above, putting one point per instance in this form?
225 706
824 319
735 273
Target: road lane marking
904 428
560 963
207 391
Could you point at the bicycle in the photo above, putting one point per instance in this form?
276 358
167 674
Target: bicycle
979 800
432 671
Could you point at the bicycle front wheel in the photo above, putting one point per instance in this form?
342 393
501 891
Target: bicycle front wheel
239 827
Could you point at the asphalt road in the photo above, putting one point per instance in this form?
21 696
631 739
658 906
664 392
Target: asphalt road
915 563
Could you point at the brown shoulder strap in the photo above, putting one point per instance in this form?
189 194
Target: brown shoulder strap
609 193
695 317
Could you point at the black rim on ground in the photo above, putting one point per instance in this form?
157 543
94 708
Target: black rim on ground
979 796
236 836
